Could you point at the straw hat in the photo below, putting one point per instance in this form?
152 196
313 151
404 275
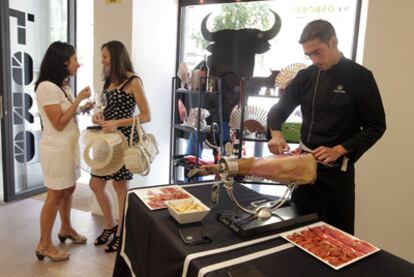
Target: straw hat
103 153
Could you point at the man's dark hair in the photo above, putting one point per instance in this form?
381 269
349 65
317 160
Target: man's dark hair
53 67
120 62
320 29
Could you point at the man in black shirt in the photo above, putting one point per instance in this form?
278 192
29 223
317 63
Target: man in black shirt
343 117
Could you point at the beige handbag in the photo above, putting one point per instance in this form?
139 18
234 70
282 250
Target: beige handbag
138 157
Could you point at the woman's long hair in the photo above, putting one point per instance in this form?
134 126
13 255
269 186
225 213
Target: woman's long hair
53 67
121 64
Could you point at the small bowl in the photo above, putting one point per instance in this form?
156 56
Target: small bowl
187 215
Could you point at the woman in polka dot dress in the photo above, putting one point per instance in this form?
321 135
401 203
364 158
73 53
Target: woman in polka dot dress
123 92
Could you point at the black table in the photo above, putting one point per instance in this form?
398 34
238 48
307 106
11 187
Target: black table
152 247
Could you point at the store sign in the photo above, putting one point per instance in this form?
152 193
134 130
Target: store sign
22 76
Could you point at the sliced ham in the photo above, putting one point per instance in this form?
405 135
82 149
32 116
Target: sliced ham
357 245
156 200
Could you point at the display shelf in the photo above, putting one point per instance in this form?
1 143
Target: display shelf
193 130
252 88
179 91
210 100
253 139
264 96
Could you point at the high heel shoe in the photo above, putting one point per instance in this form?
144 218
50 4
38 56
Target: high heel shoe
113 245
106 234
57 256
78 239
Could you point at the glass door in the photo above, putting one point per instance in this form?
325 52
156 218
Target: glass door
27 29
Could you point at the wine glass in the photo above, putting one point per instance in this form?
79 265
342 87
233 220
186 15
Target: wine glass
99 99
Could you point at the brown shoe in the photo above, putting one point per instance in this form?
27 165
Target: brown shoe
78 239
52 252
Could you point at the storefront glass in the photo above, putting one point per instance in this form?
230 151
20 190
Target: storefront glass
284 47
33 26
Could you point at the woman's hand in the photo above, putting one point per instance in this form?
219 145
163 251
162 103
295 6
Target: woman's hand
84 93
109 126
85 108
98 118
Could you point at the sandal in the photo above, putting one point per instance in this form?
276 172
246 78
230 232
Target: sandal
106 234
78 239
113 245
53 253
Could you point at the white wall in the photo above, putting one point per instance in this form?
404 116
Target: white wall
111 22
149 32
154 39
385 186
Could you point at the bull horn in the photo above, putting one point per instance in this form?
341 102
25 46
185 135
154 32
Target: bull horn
272 32
204 31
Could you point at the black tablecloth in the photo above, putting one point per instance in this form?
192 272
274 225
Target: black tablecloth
154 248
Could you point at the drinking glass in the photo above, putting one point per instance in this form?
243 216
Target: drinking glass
100 101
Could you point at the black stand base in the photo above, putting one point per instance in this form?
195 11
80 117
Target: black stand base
283 219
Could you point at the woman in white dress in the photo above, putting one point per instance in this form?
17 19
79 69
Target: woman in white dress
59 150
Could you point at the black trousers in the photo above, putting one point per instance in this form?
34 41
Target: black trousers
332 197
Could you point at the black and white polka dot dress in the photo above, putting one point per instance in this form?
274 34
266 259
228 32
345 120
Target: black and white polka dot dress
120 105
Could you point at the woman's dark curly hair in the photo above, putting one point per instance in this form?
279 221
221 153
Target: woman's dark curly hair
53 67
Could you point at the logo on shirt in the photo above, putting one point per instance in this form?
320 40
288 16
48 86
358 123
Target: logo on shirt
339 89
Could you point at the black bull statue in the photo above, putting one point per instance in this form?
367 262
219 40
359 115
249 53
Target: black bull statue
233 57
233 51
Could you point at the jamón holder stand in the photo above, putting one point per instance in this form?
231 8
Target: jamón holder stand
262 218
263 212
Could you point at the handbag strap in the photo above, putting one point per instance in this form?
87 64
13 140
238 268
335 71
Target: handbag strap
136 124
131 136
140 130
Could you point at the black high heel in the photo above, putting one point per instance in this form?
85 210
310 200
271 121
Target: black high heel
113 245
106 234
79 239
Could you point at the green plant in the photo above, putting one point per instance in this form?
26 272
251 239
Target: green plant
235 17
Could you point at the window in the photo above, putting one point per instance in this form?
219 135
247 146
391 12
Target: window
285 49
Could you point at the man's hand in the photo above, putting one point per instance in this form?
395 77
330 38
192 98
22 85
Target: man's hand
327 154
277 144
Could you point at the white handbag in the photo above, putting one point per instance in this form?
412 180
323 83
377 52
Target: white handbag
138 157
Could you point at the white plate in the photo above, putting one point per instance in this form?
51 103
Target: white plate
348 236
148 195
187 217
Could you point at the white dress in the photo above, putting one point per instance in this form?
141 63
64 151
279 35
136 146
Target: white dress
59 150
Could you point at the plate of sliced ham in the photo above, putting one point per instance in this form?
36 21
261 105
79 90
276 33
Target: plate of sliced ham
329 244
154 197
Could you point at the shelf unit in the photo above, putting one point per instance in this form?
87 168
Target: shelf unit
252 87
180 134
